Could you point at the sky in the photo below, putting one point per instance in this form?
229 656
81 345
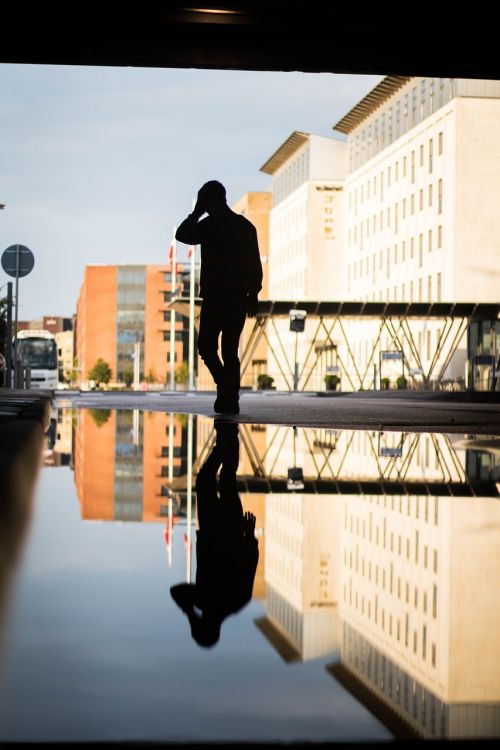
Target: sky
98 164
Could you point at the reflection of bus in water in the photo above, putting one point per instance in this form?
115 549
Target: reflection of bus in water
38 351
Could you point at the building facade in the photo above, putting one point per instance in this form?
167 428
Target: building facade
306 233
121 306
422 223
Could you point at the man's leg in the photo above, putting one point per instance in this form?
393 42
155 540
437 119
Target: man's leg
231 332
208 339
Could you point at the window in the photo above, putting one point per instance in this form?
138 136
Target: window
440 196
404 166
413 166
430 155
440 236
429 240
412 204
430 195
421 199
440 143
438 283
420 250
404 208
421 156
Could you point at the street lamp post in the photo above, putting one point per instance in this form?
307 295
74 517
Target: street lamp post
173 281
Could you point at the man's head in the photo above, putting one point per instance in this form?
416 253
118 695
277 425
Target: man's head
212 196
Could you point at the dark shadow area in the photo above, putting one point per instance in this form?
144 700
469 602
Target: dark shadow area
227 551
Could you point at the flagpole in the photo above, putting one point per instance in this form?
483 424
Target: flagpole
189 495
173 282
191 321
170 482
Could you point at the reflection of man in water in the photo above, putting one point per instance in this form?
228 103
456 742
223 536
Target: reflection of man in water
230 281
227 551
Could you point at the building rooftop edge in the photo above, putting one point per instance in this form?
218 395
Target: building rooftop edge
285 151
382 91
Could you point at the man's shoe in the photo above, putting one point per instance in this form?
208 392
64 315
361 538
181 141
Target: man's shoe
227 399
227 408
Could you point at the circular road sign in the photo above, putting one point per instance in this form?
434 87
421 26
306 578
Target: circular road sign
10 262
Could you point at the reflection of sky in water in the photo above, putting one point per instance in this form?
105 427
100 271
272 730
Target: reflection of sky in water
97 649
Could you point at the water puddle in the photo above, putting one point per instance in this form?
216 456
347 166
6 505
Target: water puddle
184 580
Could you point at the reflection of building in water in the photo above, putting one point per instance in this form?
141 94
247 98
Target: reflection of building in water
419 605
121 464
324 453
64 433
302 575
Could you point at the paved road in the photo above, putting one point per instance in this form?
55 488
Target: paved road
462 413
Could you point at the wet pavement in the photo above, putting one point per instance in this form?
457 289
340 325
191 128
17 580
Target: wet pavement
412 411
183 580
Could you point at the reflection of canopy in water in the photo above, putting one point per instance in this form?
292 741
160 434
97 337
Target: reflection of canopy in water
390 473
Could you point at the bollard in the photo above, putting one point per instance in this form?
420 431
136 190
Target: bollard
27 377
18 375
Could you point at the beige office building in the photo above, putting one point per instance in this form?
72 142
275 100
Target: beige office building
422 219
306 234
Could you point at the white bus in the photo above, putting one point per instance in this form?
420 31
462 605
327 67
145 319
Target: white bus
37 349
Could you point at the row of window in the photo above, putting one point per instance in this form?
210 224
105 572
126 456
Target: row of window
360 232
412 291
403 253
392 174
398 118
377 575
386 623
409 505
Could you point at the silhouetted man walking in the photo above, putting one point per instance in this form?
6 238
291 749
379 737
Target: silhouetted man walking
230 281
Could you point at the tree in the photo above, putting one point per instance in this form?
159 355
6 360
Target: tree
100 416
128 375
100 372
151 376
182 373
71 376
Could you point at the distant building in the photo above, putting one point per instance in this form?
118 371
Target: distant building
52 323
120 306
65 352
306 242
